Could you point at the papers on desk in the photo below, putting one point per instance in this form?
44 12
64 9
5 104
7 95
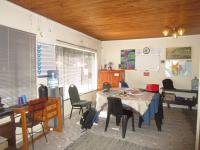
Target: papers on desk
123 92
134 94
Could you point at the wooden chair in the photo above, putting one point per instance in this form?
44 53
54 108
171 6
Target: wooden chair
35 116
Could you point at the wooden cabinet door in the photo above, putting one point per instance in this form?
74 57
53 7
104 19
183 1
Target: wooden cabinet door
103 76
111 76
115 78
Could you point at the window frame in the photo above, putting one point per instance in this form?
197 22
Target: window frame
76 48
15 91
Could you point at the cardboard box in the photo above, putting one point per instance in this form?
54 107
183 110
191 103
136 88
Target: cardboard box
170 97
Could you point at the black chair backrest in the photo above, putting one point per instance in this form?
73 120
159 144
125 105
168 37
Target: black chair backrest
168 84
115 106
73 94
106 87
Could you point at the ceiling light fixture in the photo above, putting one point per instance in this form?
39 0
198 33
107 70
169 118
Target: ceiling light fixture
174 31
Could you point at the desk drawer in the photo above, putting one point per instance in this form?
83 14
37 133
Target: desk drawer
50 107
51 114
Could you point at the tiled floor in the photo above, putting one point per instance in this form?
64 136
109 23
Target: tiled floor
178 128
59 141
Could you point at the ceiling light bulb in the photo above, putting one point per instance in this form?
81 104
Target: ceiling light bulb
165 32
173 31
174 34
180 31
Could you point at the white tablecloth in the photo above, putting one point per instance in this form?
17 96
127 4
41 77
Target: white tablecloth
139 101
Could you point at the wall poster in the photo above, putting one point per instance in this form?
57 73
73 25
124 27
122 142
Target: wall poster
128 59
179 53
178 68
178 62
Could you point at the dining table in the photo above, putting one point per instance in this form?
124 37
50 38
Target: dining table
143 102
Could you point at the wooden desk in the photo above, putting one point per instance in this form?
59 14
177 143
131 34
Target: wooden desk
52 110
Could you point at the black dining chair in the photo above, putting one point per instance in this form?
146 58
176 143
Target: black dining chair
116 108
75 100
106 87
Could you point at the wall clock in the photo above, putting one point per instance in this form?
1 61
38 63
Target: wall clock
146 50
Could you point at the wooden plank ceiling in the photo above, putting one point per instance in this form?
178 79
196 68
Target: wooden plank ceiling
120 19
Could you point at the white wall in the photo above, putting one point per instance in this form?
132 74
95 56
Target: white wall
198 118
17 17
14 16
111 52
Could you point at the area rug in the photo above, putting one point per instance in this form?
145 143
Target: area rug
92 141
178 133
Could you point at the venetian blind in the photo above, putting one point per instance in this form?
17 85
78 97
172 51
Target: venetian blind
76 67
17 65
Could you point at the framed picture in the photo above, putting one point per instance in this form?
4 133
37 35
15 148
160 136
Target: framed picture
179 53
128 59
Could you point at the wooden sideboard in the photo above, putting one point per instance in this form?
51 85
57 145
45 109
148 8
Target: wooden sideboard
111 76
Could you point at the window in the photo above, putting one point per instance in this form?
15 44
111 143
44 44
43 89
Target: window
76 67
17 65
